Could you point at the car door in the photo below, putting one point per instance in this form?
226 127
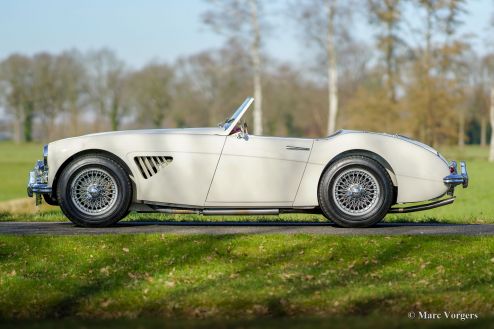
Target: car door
174 169
257 171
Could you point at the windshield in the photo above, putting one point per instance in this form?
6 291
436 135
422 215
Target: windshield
238 113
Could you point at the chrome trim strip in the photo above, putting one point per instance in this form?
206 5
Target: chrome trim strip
45 155
427 206
39 189
226 212
297 148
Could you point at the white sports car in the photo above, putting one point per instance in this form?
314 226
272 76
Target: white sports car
353 178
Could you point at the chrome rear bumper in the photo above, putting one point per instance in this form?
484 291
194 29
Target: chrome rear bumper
455 178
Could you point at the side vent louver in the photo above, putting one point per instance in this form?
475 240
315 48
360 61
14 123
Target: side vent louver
150 165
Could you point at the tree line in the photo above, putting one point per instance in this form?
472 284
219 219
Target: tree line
423 78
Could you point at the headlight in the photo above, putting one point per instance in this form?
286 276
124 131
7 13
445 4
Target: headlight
41 172
45 155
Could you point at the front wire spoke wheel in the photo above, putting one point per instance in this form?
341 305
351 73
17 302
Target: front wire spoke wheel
94 191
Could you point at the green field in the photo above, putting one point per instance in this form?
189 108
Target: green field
259 280
15 163
246 276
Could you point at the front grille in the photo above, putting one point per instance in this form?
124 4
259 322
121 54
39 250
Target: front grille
150 165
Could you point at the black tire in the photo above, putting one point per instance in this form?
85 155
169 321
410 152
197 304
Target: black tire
50 199
72 202
362 196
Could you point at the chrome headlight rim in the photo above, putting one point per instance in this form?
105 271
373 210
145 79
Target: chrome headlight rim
45 155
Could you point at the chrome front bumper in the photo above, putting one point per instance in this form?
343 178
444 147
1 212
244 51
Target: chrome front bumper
455 178
38 181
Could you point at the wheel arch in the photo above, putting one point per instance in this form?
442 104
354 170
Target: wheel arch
108 154
368 154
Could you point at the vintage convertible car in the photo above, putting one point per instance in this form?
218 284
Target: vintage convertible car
353 178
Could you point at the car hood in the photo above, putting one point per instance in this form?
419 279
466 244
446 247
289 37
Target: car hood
184 131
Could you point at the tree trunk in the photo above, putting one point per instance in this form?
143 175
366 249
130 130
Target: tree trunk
51 128
483 131
461 129
256 62
390 55
74 118
114 117
491 154
18 129
332 70
28 123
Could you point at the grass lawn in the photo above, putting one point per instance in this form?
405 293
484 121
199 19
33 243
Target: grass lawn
15 163
169 276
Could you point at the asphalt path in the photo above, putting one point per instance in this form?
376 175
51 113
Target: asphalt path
67 228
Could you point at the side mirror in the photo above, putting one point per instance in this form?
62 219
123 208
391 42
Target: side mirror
244 133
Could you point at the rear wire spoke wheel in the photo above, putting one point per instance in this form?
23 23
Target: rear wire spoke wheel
355 191
94 191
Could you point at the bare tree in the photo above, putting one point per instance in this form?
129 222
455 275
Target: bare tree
490 71
491 153
72 77
212 82
48 94
322 29
106 73
17 77
241 19
256 61
150 93
387 16
332 69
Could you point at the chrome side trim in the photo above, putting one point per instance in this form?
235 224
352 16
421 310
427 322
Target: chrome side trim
225 212
297 148
426 206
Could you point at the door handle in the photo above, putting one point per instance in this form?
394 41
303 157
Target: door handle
297 148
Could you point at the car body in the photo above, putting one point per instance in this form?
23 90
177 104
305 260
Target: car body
224 170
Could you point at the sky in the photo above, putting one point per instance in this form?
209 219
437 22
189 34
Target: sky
145 30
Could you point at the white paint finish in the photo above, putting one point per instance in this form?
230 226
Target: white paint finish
307 192
268 147
180 131
195 159
419 189
406 158
259 170
256 172
185 180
